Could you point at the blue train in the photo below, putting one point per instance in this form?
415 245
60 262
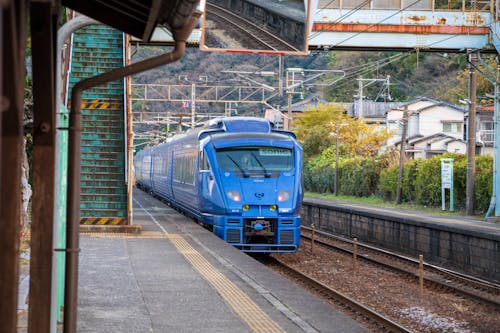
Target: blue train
238 176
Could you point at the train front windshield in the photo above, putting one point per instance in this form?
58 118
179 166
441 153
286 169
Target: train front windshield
255 161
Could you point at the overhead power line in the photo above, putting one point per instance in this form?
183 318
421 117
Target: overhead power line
379 22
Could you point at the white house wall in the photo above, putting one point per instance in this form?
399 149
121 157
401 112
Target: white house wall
414 125
430 120
457 147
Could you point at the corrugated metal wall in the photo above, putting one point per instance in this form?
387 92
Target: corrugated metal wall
97 49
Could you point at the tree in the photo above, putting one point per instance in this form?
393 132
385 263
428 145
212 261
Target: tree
317 128
413 74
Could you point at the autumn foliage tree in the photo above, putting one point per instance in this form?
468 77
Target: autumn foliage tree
317 128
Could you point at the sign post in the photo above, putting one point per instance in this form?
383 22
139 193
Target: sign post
447 182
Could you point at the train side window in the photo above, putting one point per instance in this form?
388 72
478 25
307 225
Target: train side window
204 165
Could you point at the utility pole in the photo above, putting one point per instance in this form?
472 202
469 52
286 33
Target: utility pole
360 102
471 135
402 155
289 120
337 135
336 184
495 204
193 105
299 77
291 84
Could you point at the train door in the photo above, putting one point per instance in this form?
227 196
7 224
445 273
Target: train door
155 164
205 181
211 201
170 158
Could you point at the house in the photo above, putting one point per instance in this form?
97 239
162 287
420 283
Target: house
485 135
436 144
434 127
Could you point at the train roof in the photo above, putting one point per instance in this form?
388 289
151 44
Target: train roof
238 127
241 125
224 139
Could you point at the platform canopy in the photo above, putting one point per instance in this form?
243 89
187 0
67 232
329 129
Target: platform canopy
137 18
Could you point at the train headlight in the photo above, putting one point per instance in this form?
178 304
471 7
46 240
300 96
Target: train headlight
272 208
283 196
234 195
245 207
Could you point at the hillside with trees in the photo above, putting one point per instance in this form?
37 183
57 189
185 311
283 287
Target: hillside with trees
439 76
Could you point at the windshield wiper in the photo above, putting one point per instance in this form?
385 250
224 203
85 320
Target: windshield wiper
267 174
245 173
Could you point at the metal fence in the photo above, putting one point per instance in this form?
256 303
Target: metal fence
486 136
441 5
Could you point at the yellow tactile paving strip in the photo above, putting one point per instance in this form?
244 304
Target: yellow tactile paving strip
256 319
143 234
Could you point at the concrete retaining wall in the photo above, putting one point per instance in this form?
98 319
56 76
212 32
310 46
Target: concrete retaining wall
461 247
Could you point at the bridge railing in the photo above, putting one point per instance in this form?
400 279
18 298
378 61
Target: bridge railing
486 136
441 5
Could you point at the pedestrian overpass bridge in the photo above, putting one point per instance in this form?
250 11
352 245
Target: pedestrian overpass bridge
426 25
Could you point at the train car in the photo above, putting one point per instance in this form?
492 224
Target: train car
238 176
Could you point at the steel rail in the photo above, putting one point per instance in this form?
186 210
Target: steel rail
339 298
483 291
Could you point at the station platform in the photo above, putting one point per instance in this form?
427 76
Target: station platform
176 276
458 224
458 243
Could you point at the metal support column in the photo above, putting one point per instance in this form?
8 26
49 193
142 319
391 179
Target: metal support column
13 38
289 114
360 101
44 20
402 156
471 135
496 159
193 105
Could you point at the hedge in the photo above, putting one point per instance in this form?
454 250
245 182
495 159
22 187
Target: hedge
421 182
357 176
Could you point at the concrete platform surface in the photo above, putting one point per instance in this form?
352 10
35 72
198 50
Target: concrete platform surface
176 276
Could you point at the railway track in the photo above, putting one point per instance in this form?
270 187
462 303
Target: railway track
435 277
348 304
254 36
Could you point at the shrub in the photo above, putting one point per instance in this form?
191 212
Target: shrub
421 183
483 183
388 183
409 187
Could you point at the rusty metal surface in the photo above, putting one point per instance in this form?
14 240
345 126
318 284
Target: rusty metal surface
137 18
126 15
130 133
43 26
450 30
14 21
407 4
98 49
413 29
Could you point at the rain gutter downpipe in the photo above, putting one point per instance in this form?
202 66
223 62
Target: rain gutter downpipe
74 159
